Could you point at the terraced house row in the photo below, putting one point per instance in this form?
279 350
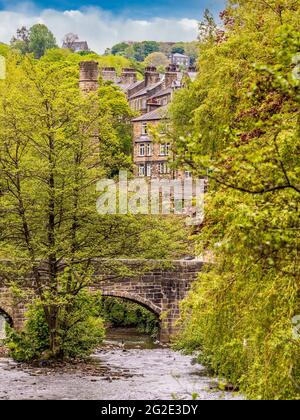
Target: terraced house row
150 98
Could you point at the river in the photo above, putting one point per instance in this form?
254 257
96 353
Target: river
128 367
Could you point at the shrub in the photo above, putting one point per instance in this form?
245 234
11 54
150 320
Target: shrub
80 330
123 313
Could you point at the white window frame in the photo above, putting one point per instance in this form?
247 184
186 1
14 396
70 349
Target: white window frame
164 149
188 175
141 170
164 168
142 149
149 170
148 149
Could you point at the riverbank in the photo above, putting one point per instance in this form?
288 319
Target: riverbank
125 369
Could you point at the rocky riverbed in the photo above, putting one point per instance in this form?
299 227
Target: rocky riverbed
128 367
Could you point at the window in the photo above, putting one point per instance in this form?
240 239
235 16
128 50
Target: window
144 129
164 149
142 150
149 170
149 149
141 170
188 175
164 168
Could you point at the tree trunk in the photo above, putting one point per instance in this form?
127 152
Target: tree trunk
52 321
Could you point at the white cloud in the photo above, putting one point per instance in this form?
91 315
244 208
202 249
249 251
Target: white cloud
100 28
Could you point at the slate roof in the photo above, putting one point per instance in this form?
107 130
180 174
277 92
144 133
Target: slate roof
180 55
146 90
162 92
127 87
78 46
157 114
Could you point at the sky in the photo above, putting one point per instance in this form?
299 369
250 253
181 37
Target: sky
103 23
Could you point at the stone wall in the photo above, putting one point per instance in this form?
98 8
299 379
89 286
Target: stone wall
161 290
11 308
157 287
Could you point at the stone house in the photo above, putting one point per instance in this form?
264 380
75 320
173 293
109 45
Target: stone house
151 159
180 60
150 98
77 46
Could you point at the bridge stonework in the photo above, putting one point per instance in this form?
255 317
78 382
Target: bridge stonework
160 290
11 308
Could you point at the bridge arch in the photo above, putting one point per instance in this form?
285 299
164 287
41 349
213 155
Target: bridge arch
136 299
158 287
4 318
8 318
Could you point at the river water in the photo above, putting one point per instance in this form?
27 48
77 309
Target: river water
128 367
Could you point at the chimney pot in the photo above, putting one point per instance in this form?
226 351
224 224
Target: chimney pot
171 75
89 75
109 74
129 76
151 76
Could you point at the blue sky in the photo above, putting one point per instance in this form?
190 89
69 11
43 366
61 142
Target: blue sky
103 23
134 8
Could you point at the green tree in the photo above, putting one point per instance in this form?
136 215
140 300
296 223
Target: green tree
139 54
4 49
40 40
55 144
150 47
36 40
119 49
191 49
238 124
20 42
156 59
178 48
207 27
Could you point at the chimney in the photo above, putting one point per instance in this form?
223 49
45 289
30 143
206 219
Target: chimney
128 76
171 75
151 76
89 76
109 74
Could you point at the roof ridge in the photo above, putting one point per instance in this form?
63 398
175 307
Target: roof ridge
152 113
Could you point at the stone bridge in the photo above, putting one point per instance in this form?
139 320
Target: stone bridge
158 289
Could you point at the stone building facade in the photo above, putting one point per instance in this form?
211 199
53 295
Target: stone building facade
151 159
150 98
180 60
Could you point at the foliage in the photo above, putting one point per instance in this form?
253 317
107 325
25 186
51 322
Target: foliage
55 144
37 40
178 48
192 50
63 55
238 124
139 51
156 59
80 330
122 313
4 49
